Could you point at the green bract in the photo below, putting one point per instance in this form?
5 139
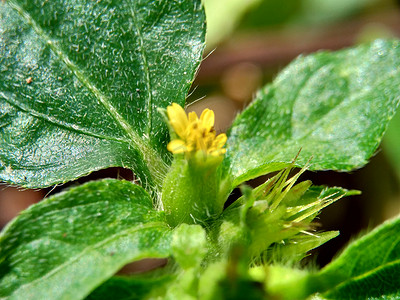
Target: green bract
191 192
83 87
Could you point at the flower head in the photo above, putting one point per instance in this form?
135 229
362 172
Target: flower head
194 134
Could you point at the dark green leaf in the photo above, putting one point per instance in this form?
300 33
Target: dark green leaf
334 106
230 280
368 268
131 288
65 246
82 81
391 143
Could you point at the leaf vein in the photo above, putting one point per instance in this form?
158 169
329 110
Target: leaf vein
102 99
156 165
146 71
59 123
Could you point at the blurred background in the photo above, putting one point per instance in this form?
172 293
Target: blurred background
248 43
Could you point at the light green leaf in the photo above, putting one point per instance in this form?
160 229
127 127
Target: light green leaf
299 246
189 245
67 245
368 268
282 282
82 81
334 106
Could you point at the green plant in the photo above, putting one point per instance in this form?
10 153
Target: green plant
88 85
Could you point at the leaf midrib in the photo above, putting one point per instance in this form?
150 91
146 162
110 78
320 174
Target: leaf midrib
154 162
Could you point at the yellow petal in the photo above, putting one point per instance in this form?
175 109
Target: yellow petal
177 146
178 119
193 117
209 138
218 152
207 118
196 135
220 140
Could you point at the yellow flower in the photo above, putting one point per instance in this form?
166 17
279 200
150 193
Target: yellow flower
194 134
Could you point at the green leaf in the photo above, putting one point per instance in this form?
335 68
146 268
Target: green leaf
368 268
334 106
391 144
67 245
133 287
284 282
230 279
82 82
189 245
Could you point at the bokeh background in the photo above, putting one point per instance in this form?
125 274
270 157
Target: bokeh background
248 43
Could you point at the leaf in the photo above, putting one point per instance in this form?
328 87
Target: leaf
82 82
334 106
189 245
368 268
67 245
283 282
230 279
391 144
133 287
